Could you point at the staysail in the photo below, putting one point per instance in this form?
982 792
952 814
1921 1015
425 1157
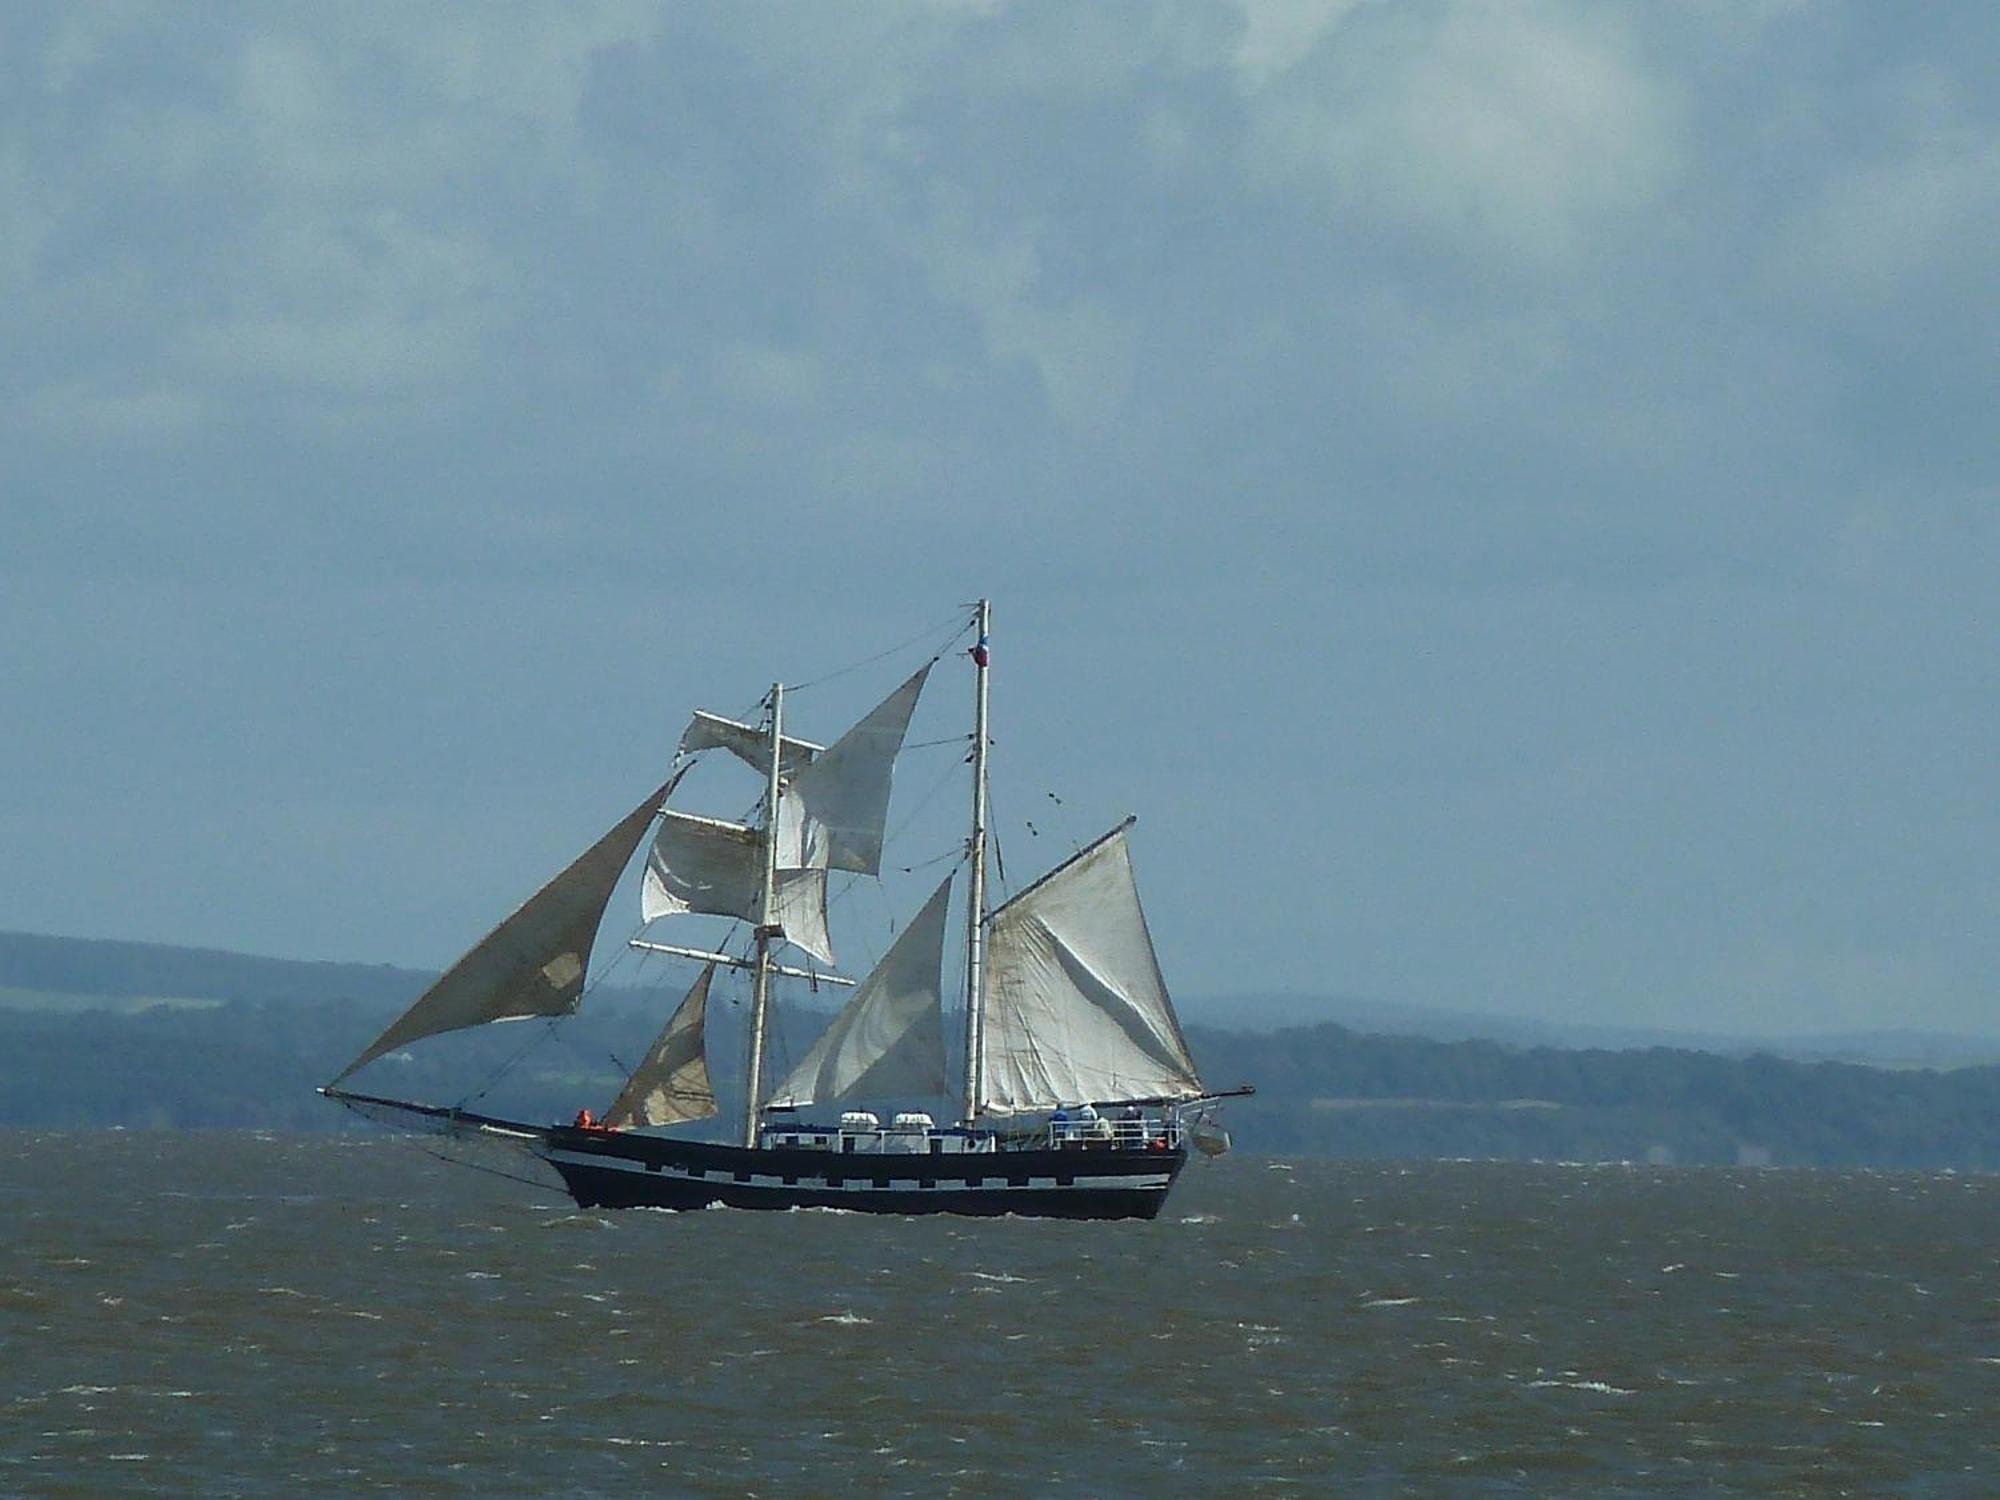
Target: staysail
834 811
1076 1009
532 964
888 1041
670 1086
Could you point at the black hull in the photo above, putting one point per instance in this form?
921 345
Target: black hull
605 1169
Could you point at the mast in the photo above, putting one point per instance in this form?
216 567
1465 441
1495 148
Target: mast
975 891
760 991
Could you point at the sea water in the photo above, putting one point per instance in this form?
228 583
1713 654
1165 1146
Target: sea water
233 1314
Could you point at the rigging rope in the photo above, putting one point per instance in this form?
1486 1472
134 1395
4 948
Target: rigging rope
993 841
929 632
459 1161
486 1086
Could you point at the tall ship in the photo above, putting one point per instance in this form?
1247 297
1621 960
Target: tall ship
1074 1094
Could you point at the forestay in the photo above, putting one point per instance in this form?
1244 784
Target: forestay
532 964
888 1042
670 1086
1076 1009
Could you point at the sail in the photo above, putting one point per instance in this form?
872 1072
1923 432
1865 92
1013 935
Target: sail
833 811
1075 1007
533 963
746 742
888 1042
707 865
670 1086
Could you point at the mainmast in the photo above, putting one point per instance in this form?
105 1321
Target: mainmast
767 930
975 902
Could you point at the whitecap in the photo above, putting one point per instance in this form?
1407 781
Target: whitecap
846 1319
1598 1386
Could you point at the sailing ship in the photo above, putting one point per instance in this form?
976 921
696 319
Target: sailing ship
1076 1094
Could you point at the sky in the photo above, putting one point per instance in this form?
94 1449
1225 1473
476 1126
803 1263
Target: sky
1506 492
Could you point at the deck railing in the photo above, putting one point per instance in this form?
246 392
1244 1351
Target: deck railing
1114 1135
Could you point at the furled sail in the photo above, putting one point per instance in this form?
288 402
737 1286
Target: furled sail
707 865
1076 1009
533 963
746 742
833 811
888 1042
670 1086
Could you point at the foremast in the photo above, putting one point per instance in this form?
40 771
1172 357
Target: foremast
767 930
975 903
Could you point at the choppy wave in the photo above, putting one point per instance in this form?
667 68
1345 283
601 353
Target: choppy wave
377 1320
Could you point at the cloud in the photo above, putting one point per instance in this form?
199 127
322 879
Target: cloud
1475 395
1526 132
1279 34
1907 220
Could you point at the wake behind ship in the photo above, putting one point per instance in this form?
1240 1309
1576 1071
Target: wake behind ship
1076 1096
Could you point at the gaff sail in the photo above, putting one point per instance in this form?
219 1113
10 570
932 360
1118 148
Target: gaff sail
1075 1006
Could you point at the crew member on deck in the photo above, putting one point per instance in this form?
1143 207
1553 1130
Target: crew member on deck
1096 1129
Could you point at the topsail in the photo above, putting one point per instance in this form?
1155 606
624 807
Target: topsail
707 865
746 742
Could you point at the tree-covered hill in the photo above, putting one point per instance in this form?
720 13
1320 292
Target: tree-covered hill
270 1030
1326 1090
1321 1090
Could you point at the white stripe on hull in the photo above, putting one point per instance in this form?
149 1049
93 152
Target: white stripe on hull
993 1180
